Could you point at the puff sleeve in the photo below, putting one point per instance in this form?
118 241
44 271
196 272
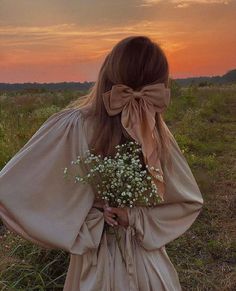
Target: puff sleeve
157 226
37 202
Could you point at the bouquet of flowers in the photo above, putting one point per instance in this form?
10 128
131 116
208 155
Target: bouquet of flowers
122 180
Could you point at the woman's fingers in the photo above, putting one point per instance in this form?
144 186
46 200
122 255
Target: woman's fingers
109 214
111 221
109 218
120 213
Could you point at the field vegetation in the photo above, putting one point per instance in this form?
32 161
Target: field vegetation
202 119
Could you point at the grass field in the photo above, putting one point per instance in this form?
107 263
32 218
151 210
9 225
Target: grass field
202 120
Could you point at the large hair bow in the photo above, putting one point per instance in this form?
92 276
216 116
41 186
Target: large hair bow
138 110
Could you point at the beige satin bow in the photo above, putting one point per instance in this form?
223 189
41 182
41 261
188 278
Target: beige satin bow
138 118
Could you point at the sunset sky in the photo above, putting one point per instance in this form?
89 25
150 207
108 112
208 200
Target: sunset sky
67 40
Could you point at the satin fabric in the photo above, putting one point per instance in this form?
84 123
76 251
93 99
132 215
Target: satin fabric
37 203
138 110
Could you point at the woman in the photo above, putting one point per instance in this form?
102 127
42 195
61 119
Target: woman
126 103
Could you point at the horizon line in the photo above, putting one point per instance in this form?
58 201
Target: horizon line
35 82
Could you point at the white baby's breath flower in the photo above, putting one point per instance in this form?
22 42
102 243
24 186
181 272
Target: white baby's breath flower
120 180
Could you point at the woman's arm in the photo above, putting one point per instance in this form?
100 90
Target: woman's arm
159 225
37 202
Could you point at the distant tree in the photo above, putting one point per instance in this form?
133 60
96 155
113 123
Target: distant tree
204 84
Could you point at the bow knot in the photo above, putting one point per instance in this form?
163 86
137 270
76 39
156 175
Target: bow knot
137 94
138 119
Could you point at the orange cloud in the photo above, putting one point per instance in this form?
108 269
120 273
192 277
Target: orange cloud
184 3
67 42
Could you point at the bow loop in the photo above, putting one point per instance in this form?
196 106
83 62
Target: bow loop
138 119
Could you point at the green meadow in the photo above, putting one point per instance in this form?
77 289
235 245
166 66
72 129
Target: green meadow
202 120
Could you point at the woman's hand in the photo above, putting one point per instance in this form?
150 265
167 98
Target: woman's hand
111 212
109 217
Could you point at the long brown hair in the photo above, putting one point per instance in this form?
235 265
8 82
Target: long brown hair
134 61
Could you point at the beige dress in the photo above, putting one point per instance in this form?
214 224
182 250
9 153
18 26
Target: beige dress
40 205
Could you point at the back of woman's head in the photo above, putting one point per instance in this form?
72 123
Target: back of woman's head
135 61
